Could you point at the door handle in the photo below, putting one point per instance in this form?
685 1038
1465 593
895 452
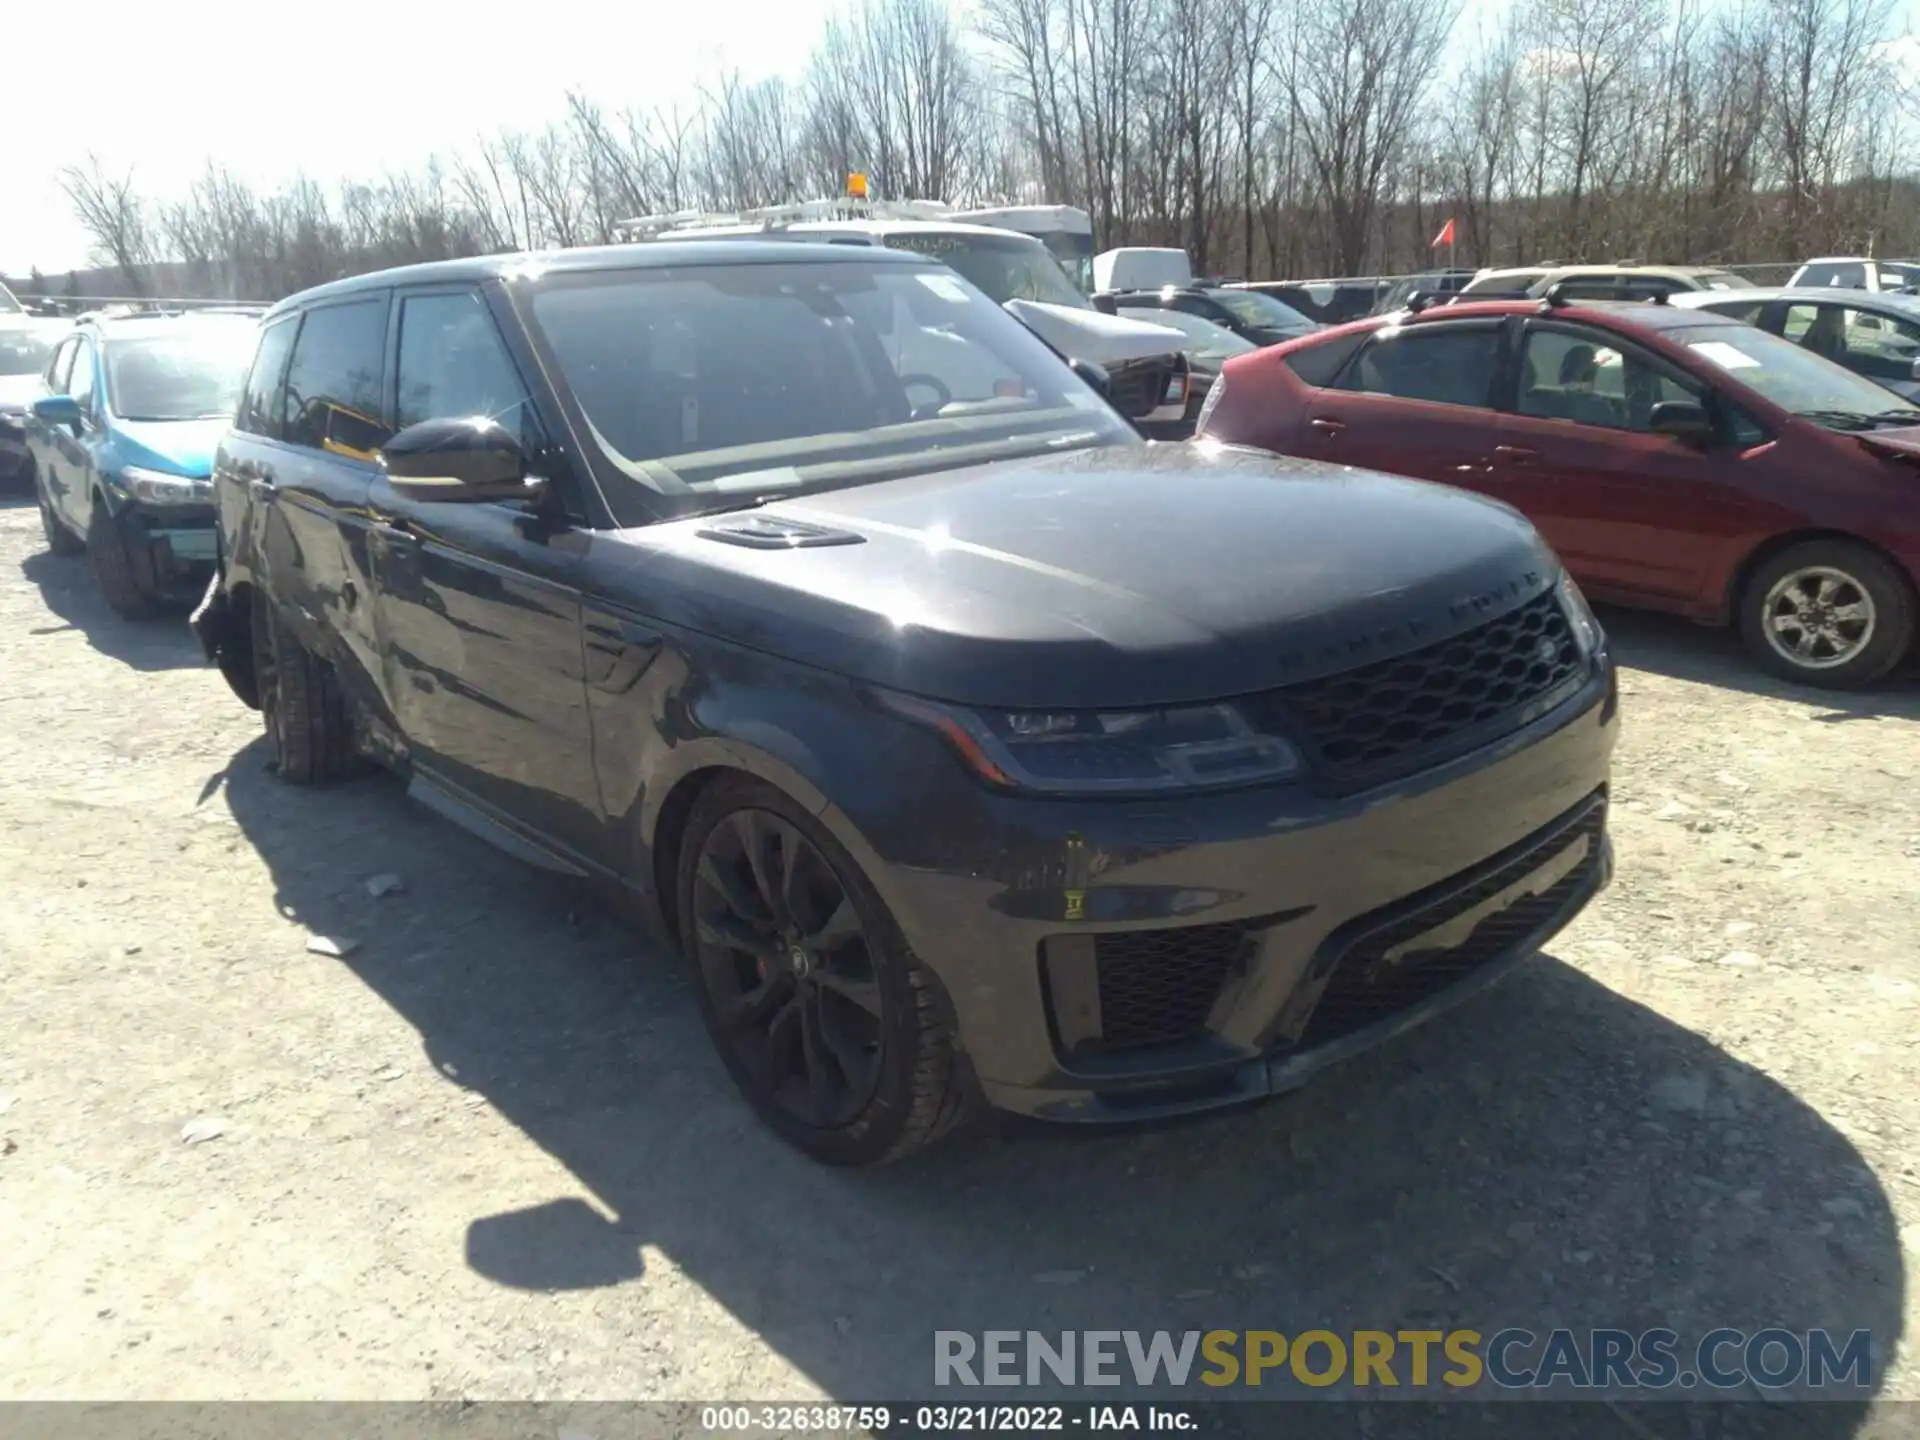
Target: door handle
1516 454
1326 426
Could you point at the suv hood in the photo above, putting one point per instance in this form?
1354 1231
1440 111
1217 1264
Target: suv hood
1901 444
180 447
1128 576
1094 335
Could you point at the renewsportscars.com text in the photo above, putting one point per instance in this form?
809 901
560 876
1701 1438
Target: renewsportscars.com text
1772 1358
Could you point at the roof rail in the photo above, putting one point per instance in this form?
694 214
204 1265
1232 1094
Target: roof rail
778 217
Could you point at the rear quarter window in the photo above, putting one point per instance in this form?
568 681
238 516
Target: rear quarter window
1318 365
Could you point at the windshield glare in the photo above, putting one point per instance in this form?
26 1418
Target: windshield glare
1793 378
1002 267
1213 345
1250 307
193 374
763 378
24 352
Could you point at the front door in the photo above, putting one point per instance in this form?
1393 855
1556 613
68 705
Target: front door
479 603
1635 515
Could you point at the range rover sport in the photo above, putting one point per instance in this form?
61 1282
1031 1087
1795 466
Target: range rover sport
969 748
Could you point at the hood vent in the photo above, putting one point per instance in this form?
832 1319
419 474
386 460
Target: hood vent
774 532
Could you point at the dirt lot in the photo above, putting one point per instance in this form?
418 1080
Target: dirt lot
488 1153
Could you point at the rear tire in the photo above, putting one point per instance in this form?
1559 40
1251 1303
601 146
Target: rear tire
911 1088
60 540
1831 613
309 728
113 569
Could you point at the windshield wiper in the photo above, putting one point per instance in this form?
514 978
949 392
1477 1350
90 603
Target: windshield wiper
1839 419
1896 417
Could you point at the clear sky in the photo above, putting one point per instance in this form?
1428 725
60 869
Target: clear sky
349 86
361 86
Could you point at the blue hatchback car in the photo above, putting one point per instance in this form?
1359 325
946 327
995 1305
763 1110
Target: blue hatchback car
121 449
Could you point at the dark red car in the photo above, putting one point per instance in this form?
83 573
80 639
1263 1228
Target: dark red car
1678 460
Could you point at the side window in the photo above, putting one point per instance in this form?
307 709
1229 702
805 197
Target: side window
61 364
1447 366
80 378
1318 364
260 401
453 363
1819 328
333 385
1576 376
1881 347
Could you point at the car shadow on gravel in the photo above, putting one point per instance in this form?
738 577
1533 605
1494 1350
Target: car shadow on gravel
73 602
1550 1154
1667 645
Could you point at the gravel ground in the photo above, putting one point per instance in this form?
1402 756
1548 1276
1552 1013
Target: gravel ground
488 1152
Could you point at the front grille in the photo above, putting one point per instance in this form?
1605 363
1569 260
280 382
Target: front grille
1394 715
1159 985
1365 986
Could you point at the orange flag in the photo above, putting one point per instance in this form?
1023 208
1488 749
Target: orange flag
1445 237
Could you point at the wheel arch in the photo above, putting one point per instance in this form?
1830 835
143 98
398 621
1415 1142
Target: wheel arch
1773 545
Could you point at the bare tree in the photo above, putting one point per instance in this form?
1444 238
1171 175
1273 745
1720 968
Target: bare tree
114 217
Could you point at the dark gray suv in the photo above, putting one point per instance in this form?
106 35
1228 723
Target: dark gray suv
969 748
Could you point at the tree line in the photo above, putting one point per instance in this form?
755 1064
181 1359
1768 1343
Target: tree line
1270 138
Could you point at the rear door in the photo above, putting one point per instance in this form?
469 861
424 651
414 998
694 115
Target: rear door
1414 400
1635 515
308 482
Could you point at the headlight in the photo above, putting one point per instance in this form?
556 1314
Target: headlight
1586 630
1107 752
153 488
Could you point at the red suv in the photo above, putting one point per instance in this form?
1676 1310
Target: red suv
1678 460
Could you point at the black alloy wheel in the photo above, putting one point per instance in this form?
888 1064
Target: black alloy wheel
829 1025
787 964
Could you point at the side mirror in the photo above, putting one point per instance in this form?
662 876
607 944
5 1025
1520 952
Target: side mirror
1095 376
57 410
1683 420
458 460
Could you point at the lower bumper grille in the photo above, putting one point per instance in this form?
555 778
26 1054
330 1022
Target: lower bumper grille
1374 976
1129 989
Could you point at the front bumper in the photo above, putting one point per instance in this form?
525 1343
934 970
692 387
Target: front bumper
173 547
1121 961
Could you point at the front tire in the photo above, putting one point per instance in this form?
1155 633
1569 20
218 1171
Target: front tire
825 1020
1831 613
113 569
60 540
309 727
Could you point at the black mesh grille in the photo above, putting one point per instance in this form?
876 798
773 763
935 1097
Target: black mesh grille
1390 715
1365 987
1159 985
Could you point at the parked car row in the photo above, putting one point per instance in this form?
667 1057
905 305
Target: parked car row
971 749
1674 457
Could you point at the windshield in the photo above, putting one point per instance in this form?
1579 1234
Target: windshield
1722 280
191 374
1793 378
1003 267
24 351
753 379
1250 307
1213 345
1075 254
